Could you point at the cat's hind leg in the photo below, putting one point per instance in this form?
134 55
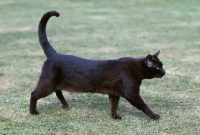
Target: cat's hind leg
60 96
43 89
114 100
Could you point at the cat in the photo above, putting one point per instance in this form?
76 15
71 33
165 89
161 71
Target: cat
118 77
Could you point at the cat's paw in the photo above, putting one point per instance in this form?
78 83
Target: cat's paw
155 116
34 112
64 106
117 117
152 115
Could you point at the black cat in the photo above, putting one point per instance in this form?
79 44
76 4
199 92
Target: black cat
118 78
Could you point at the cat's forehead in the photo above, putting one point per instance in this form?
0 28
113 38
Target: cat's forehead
157 61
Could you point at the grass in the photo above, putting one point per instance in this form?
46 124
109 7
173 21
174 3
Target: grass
101 30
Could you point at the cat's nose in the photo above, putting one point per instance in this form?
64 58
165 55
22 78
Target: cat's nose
163 71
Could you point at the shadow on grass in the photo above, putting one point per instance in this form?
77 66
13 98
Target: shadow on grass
99 105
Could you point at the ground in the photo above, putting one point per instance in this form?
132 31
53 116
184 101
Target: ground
101 30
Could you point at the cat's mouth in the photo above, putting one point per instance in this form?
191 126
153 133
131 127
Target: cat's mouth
158 76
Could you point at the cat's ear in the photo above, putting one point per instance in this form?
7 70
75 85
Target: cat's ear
156 54
148 61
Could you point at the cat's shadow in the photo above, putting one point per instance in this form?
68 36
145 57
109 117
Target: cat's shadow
97 102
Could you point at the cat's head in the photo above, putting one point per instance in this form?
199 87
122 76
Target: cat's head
153 66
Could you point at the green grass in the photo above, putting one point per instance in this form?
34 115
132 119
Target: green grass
101 30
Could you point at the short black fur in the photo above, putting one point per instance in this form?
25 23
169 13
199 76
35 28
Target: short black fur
118 78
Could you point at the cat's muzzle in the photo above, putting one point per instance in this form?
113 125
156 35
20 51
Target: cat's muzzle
161 74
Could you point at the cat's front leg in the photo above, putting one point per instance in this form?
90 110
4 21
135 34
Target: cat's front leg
114 100
137 102
152 115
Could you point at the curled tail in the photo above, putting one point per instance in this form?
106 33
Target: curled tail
47 48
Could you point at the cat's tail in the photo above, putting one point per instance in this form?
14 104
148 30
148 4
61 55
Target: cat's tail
47 48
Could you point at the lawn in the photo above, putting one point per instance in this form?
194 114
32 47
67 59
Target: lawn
101 30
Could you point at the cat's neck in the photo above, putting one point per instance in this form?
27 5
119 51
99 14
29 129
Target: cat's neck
135 67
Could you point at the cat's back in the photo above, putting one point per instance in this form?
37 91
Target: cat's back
71 61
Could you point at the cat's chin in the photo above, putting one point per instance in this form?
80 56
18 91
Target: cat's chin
158 76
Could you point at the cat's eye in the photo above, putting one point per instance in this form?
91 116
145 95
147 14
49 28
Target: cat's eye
157 68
